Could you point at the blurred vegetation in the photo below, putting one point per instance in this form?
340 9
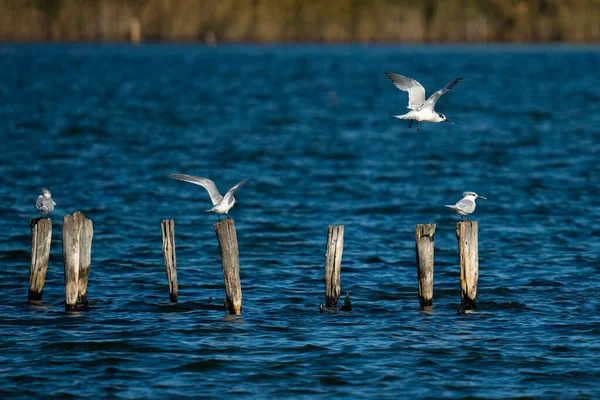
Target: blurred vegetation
326 21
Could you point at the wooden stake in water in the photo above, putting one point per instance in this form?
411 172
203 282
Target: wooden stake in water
228 246
85 259
168 249
467 235
424 236
77 244
41 237
333 264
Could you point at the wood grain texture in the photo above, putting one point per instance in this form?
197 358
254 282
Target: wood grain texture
424 234
77 248
467 235
85 259
41 238
168 249
228 246
71 233
333 264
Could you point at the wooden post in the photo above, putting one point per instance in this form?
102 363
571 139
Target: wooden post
168 249
424 247
85 259
41 237
333 264
77 241
228 246
466 233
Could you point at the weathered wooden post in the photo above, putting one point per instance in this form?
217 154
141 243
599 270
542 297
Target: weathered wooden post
85 259
168 249
228 246
333 264
77 242
424 247
41 237
466 233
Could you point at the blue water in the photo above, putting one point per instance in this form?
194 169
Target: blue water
311 126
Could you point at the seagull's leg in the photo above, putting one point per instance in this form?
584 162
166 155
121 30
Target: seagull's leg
219 216
410 124
417 125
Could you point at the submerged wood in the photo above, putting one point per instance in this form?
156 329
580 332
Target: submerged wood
333 264
77 244
424 247
41 238
228 246
347 306
467 235
168 249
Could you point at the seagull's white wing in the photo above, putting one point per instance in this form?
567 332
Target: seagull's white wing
229 194
206 183
435 97
416 91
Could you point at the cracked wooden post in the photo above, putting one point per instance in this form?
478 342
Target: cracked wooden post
77 242
424 236
168 249
466 233
41 237
228 246
85 260
333 264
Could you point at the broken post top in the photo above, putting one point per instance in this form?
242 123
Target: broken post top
223 223
469 224
425 230
41 221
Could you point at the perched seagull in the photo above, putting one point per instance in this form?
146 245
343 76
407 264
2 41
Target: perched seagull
221 204
44 204
466 205
421 110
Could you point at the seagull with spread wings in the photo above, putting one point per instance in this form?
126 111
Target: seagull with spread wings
221 204
421 110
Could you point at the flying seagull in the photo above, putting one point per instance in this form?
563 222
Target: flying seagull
466 205
44 204
221 204
421 110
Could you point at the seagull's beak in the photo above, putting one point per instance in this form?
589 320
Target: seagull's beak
447 120
481 197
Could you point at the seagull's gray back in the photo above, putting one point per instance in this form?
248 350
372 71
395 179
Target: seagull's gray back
44 205
466 205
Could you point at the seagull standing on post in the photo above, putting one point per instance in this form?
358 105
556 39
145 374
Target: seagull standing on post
466 205
221 204
421 110
44 204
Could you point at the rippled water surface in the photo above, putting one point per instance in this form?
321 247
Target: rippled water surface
102 126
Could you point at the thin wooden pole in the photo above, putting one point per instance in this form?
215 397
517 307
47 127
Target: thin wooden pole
168 249
466 233
85 259
228 246
424 247
71 240
41 237
333 264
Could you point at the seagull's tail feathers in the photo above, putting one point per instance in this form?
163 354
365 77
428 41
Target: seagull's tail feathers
403 116
452 206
